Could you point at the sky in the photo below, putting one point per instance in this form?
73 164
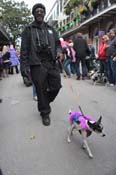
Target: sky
48 3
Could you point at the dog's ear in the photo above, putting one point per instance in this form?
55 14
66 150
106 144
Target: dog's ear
69 112
99 120
90 124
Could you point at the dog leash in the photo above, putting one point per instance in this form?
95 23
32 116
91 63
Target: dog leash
69 84
75 95
81 111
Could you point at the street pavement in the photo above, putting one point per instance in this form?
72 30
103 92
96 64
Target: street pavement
29 148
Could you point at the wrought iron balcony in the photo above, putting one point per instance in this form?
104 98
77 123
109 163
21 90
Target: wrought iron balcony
105 7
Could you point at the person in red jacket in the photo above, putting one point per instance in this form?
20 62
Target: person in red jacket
102 54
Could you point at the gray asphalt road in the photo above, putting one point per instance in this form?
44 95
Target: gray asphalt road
29 148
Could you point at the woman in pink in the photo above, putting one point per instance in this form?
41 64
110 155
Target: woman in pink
102 54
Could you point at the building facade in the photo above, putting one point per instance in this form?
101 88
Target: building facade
93 18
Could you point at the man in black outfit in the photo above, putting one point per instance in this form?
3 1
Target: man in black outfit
39 48
82 50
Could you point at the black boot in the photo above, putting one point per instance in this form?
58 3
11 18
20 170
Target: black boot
46 120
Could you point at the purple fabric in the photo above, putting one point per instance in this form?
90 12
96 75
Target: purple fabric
13 57
77 116
0 58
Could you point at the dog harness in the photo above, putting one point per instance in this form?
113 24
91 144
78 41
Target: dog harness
81 120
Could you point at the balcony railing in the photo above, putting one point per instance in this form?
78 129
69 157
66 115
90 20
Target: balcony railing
77 21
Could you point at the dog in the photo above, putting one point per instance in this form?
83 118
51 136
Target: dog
98 77
85 125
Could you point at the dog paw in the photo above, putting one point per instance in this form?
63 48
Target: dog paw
91 156
83 146
68 140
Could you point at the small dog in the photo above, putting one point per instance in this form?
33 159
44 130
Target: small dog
85 125
98 77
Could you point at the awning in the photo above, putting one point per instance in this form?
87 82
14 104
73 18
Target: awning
4 38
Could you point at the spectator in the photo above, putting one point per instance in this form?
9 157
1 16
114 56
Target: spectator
5 60
82 50
111 52
91 57
71 53
14 60
102 54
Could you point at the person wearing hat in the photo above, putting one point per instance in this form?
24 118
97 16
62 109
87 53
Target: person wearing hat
40 46
111 52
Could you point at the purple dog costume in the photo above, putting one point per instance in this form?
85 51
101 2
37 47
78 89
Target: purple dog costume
81 120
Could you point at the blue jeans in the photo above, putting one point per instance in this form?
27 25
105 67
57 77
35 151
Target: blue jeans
84 67
103 67
74 68
111 71
113 65
34 90
66 66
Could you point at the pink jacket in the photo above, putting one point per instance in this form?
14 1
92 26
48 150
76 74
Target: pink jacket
73 54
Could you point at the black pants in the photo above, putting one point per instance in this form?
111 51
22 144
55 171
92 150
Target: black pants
47 81
11 69
104 67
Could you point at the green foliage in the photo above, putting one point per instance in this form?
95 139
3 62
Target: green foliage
14 16
75 3
71 5
67 10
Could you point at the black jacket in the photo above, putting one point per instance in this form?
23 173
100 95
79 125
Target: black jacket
29 44
81 48
6 57
111 50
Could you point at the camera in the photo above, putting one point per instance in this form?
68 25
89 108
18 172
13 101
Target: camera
43 48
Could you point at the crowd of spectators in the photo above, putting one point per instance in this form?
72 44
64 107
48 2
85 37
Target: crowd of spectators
9 60
79 57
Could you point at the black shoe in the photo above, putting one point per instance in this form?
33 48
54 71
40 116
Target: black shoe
0 100
46 120
78 78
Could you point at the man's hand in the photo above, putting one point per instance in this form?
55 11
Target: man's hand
114 59
25 73
60 56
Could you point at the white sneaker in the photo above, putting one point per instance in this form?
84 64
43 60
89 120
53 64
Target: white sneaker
35 98
111 85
